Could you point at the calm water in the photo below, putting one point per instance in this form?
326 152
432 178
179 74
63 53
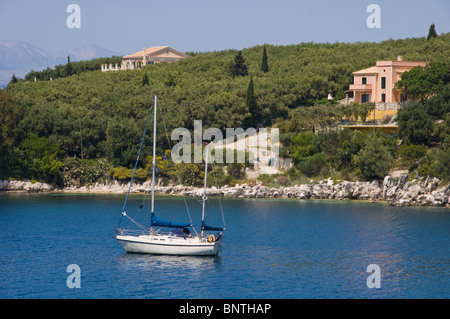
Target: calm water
272 249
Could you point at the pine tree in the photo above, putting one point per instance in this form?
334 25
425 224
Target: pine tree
238 68
264 65
432 32
14 79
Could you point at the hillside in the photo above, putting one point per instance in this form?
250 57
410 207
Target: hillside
108 110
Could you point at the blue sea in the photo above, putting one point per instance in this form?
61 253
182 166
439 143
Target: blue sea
272 248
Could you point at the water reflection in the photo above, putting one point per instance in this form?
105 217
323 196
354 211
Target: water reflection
164 276
167 262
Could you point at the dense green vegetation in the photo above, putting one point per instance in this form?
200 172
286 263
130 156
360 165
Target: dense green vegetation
70 68
85 126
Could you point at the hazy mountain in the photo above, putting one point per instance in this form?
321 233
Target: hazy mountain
19 58
20 55
90 52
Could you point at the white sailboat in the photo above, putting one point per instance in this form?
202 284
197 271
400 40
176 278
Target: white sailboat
178 240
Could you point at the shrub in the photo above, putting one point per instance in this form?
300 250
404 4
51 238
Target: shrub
314 165
374 160
38 157
364 109
190 174
303 146
415 124
216 177
411 153
122 173
235 169
442 164
283 180
77 172
427 165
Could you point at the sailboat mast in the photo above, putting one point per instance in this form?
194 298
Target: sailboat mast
154 159
135 167
204 189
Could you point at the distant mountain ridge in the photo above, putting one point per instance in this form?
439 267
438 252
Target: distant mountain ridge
21 55
19 58
90 52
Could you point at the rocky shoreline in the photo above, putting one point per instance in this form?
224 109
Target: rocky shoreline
395 191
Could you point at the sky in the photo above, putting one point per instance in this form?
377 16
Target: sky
213 25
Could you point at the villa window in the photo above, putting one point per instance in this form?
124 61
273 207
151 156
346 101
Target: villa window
365 98
383 98
383 82
364 80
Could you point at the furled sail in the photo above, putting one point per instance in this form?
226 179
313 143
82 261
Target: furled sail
207 227
155 221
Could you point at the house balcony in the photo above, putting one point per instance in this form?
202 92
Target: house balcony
111 67
360 87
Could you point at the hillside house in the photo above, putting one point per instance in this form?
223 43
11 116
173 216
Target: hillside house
376 84
147 56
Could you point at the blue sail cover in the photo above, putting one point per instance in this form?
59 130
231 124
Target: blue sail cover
207 227
155 221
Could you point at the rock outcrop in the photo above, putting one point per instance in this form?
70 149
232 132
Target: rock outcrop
396 191
25 186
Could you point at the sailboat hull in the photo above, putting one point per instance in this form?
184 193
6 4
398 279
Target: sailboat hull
169 245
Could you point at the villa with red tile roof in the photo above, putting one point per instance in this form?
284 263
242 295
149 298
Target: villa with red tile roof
147 56
376 84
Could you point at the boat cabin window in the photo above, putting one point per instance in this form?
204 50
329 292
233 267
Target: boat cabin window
180 232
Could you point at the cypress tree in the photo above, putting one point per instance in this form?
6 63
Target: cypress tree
264 65
250 102
145 79
250 97
68 67
432 32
